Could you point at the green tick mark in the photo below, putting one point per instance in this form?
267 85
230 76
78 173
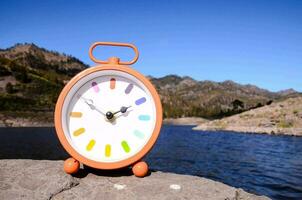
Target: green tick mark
139 134
125 146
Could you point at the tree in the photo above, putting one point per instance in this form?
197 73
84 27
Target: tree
9 88
259 105
269 102
237 104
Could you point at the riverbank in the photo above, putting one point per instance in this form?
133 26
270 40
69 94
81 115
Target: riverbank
46 120
187 121
41 179
280 118
26 119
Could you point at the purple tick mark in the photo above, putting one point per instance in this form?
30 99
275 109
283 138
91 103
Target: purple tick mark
129 88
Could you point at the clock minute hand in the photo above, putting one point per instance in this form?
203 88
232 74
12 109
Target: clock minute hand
99 110
89 102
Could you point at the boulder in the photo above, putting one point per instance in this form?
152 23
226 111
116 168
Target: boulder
41 179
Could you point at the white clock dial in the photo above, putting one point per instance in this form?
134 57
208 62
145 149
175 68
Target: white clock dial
91 133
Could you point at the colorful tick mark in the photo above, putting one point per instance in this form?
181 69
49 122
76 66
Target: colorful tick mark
107 150
140 101
129 88
125 146
112 83
144 117
76 114
95 87
79 131
90 145
139 134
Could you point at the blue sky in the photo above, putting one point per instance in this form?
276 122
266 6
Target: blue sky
255 41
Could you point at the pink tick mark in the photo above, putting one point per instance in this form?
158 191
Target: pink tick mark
95 87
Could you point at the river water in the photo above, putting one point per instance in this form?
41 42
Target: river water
260 164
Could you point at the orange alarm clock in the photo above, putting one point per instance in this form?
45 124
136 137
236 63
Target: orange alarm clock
108 116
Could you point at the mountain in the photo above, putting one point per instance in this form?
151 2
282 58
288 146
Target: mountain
287 92
32 77
186 97
282 117
34 57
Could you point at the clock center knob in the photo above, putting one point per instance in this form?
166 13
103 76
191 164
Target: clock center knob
109 115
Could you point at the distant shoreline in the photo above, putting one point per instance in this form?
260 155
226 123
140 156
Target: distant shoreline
185 121
198 123
254 130
11 121
26 119
36 120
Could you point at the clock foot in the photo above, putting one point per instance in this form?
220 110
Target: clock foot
71 166
140 169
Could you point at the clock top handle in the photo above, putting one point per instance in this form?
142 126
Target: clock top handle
113 60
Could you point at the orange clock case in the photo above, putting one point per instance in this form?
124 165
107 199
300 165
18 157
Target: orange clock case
112 64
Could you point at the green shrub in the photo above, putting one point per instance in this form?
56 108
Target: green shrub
285 124
12 102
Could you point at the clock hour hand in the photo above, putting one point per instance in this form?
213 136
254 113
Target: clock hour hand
110 115
123 109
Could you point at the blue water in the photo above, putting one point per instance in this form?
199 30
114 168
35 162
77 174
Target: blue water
261 164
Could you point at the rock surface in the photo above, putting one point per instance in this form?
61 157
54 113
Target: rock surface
284 118
28 179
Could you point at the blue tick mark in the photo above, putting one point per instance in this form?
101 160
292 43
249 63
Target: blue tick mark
144 117
140 101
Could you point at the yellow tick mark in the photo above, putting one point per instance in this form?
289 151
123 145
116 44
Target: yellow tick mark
78 131
76 114
90 145
107 150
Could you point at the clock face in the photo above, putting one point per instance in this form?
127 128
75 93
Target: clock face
108 116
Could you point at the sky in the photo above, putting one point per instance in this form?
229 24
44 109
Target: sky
253 41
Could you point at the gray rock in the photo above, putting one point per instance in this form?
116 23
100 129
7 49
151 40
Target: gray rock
33 179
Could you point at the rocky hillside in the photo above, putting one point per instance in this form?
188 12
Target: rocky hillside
34 57
186 97
283 117
32 77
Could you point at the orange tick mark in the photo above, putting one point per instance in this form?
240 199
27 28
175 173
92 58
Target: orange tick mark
112 83
76 114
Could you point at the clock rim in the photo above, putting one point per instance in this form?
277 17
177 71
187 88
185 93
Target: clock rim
103 165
